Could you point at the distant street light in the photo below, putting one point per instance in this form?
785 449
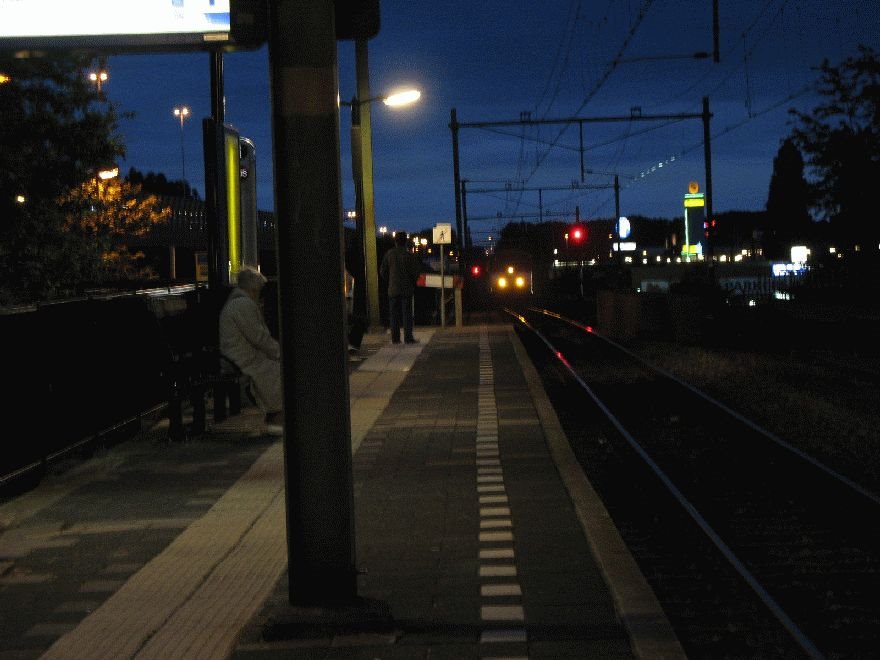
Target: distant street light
99 78
4 78
182 113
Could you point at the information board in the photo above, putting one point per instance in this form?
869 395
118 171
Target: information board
85 24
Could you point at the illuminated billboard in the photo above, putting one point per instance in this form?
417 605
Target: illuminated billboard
694 217
33 25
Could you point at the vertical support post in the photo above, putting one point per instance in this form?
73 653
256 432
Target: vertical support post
540 205
617 215
581 149
218 98
172 262
456 184
357 262
368 229
707 159
463 219
317 428
442 290
214 206
182 152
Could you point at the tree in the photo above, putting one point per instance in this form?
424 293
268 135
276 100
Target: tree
788 201
840 139
104 213
57 132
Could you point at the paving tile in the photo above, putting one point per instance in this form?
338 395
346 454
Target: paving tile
438 560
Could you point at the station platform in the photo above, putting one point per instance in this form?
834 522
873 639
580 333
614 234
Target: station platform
477 535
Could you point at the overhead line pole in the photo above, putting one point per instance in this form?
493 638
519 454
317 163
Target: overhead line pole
465 232
617 216
456 175
707 161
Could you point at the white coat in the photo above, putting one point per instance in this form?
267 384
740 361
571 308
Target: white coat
245 339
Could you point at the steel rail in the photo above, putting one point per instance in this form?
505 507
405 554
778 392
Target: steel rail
770 436
800 638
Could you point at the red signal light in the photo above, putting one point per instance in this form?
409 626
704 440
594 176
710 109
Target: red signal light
578 234
476 271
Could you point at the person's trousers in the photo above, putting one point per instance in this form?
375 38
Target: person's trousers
400 309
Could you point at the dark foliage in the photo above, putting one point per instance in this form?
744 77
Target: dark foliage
840 139
788 201
57 132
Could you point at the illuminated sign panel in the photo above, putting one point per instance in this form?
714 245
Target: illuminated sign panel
694 216
87 24
233 201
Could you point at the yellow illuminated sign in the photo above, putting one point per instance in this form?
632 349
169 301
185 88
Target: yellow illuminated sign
233 203
694 201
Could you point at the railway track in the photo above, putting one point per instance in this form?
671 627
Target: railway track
754 548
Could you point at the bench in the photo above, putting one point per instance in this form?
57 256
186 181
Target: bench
193 377
196 368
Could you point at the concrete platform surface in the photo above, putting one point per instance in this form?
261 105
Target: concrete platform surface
477 535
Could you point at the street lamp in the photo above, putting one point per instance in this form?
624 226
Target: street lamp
401 98
182 113
99 78
366 300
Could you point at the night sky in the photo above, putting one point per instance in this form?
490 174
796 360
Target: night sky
554 59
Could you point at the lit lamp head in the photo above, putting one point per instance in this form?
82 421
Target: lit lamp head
181 113
402 98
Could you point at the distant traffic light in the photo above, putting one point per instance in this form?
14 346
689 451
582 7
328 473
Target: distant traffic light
578 234
476 271
710 228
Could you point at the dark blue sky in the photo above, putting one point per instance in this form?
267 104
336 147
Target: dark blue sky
555 59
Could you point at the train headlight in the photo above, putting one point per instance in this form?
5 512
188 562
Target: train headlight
502 282
520 282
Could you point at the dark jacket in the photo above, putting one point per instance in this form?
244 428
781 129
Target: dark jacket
400 268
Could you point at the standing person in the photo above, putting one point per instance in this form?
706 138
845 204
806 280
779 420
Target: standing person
400 269
246 341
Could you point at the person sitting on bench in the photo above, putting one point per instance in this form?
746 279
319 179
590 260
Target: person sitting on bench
246 341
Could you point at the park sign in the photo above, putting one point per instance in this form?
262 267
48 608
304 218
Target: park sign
30 27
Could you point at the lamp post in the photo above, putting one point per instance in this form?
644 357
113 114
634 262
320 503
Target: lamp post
99 78
182 113
366 298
